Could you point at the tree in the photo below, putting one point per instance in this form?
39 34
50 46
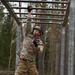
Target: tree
5 43
1 15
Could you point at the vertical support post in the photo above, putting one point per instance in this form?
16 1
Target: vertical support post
17 43
71 38
21 24
62 51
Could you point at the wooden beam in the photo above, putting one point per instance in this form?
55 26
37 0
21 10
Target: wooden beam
56 19
66 14
12 13
60 23
71 40
49 14
58 9
56 2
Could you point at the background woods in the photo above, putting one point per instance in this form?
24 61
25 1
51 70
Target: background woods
59 51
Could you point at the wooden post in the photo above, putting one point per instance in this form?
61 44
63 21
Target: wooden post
17 43
62 51
71 38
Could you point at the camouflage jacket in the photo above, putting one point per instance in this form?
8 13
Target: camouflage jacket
27 49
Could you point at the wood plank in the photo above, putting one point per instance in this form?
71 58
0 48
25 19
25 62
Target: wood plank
7 5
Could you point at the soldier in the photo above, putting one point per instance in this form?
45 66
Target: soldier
31 45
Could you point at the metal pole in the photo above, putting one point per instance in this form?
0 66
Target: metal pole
62 51
71 38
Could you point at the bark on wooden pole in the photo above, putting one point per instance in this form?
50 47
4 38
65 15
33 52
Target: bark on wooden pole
17 43
62 51
71 38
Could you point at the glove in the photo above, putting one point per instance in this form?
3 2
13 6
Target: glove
36 42
29 8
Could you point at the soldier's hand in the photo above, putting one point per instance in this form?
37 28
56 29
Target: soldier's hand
29 8
39 48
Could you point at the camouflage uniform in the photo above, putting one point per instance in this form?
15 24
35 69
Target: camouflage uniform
26 64
26 68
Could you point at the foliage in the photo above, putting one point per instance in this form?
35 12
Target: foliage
5 43
1 16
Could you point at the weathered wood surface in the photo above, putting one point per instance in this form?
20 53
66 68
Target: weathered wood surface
7 72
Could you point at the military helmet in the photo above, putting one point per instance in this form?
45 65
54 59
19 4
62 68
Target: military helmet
38 28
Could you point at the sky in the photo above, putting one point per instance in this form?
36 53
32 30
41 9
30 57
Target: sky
23 5
17 5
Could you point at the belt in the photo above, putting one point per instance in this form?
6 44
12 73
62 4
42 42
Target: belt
25 60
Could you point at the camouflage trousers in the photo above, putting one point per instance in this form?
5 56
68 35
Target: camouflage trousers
26 68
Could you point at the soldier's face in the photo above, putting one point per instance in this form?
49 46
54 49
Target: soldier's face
36 32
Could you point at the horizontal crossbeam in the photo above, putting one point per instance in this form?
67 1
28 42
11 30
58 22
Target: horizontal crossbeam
44 23
58 2
58 9
56 19
41 14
